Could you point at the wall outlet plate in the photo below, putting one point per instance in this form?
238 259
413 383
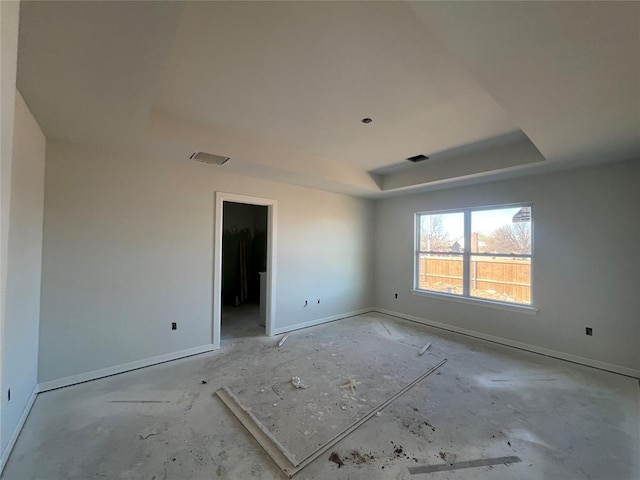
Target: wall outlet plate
589 331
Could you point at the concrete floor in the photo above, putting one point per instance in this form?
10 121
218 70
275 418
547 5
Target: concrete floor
241 321
564 421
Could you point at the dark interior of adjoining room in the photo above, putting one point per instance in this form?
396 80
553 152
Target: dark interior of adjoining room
244 259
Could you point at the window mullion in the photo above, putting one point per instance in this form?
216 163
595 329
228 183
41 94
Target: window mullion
417 249
466 255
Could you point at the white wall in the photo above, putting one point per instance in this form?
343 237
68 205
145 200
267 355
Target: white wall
22 315
9 21
586 261
128 249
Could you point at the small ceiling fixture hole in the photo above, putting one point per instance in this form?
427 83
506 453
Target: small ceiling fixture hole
366 120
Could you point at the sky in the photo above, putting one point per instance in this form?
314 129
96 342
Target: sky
483 221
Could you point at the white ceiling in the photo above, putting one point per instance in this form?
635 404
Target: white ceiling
281 87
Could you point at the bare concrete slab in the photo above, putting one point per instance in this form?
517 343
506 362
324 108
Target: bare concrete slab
564 421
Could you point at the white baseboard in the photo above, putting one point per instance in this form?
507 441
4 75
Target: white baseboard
125 367
85 377
631 372
16 431
106 372
319 321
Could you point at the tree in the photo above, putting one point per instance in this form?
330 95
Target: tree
510 238
433 235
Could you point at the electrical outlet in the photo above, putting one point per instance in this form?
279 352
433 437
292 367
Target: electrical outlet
396 295
174 325
589 331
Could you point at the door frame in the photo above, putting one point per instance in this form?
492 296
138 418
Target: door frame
272 216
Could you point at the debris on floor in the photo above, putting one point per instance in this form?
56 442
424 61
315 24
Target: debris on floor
424 349
335 458
139 401
448 457
148 433
482 462
433 429
351 384
284 339
204 382
277 392
359 458
297 382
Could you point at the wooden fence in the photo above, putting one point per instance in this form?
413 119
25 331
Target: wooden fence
493 278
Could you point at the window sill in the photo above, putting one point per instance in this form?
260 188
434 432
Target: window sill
525 309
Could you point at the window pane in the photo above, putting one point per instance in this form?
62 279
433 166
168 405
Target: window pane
502 230
442 232
501 279
440 273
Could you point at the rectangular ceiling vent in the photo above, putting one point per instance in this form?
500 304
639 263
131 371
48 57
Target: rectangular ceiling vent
418 158
209 158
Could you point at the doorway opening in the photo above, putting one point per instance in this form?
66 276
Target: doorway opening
243 266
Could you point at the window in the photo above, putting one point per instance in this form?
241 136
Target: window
480 253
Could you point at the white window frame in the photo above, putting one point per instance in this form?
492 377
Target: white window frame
466 254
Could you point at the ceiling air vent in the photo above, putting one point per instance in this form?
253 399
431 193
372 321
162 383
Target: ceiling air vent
418 158
209 158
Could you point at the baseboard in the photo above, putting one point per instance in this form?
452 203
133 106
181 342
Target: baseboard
125 367
16 431
630 372
319 321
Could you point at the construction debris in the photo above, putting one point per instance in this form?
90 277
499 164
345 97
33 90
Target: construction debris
351 384
424 349
148 433
359 458
297 382
292 463
448 457
335 458
139 401
483 462
277 392
284 339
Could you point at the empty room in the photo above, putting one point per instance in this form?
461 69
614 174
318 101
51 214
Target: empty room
320 240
